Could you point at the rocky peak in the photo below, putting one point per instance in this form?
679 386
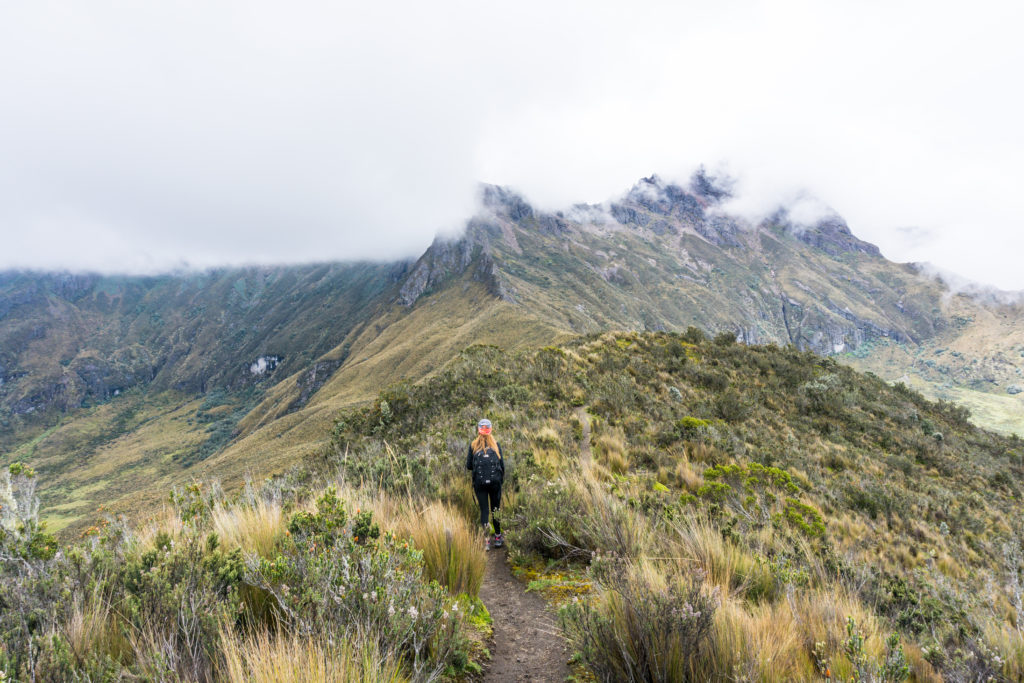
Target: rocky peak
446 259
711 188
505 203
832 235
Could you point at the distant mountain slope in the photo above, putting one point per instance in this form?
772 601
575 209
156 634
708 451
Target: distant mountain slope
664 257
250 366
72 340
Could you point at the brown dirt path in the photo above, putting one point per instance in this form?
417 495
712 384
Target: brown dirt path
527 644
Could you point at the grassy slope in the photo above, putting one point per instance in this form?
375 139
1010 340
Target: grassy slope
972 362
919 506
120 449
597 278
400 345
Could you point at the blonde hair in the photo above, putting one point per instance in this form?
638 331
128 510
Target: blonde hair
483 441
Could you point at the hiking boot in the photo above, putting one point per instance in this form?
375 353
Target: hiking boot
499 540
487 542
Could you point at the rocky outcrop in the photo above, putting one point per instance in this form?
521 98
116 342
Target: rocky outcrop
505 203
312 380
448 259
833 237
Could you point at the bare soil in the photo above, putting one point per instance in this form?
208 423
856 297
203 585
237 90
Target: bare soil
527 644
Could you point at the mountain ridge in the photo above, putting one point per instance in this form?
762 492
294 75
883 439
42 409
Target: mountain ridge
261 359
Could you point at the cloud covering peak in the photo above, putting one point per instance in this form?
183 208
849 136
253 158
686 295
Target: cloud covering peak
143 137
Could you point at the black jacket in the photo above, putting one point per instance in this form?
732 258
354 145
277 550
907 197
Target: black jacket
501 452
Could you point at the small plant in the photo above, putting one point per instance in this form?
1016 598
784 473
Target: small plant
641 628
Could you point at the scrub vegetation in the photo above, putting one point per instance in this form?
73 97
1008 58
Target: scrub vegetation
746 512
697 509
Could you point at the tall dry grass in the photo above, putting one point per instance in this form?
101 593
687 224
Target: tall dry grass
449 539
166 521
92 629
724 563
290 659
1009 643
452 552
777 641
252 527
612 450
642 625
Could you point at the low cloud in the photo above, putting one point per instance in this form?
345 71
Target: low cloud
142 137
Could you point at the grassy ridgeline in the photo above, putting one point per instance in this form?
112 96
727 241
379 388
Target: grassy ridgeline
785 515
739 513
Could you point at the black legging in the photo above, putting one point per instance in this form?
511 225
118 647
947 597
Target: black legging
492 491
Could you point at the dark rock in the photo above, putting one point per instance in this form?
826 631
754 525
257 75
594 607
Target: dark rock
711 188
720 230
553 224
833 236
312 380
506 203
628 215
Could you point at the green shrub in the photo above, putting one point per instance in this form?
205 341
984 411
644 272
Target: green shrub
635 631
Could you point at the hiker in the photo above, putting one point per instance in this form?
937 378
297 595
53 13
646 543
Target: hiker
486 462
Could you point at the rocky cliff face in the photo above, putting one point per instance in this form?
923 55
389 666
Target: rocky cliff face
665 256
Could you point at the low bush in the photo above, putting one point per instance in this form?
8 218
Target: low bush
642 625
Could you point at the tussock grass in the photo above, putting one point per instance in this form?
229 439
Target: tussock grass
612 450
777 641
166 521
1009 642
724 563
292 659
643 625
450 544
252 527
687 476
448 538
92 629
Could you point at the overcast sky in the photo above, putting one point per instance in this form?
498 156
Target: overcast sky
146 136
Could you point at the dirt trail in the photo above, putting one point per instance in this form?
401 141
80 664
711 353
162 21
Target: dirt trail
527 643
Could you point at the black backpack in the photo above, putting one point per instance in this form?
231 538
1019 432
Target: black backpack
486 468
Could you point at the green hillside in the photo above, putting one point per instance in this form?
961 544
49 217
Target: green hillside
699 509
802 491
116 388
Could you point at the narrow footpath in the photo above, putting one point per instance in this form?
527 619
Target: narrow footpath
528 645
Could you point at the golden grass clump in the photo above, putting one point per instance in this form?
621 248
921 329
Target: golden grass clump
451 546
612 451
253 528
724 563
777 641
92 629
291 659
1008 641
547 437
686 476
166 521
